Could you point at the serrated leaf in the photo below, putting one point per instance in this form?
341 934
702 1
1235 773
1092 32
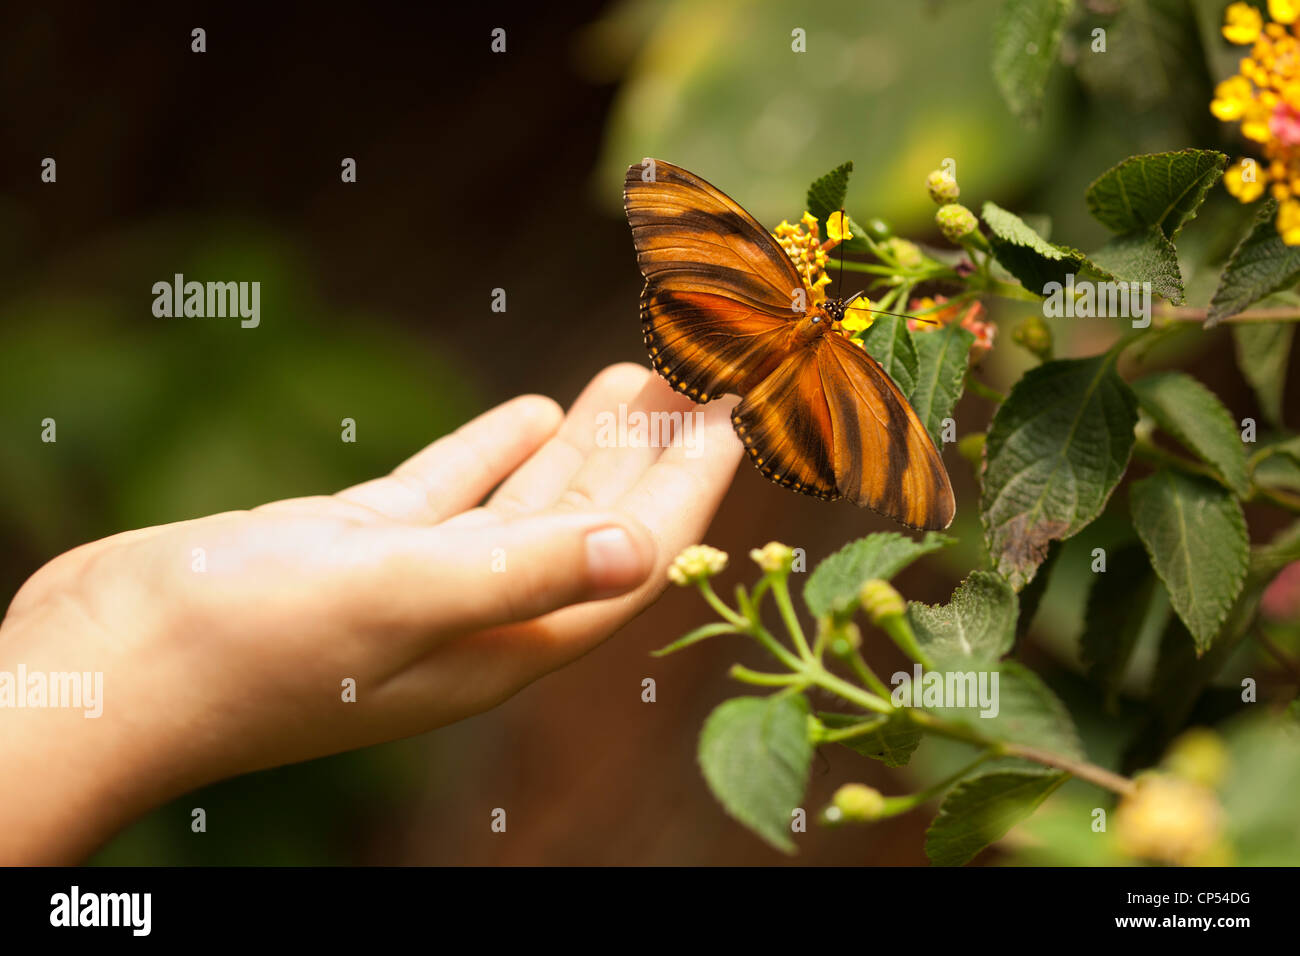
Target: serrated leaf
1116 616
1195 535
1026 37
982 808
889 343
1263 355
834 584
1260 265
891 738
1191 413
1055 451
1143 256
827 194
942 357
1159 189
755 755
1027 255
1027 712
978 624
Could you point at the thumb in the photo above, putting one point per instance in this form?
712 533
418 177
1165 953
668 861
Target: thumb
521 569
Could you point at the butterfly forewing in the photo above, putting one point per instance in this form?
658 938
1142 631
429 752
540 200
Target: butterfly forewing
720 294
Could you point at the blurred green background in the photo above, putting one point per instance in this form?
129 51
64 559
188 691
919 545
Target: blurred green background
478 171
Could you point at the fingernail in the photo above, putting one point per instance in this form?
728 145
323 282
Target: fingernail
614 563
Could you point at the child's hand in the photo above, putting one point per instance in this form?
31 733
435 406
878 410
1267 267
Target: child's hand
225 641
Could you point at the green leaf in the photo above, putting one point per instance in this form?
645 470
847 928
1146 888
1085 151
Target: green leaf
891 738
1116 616
1026 36
978 624
834 584
755 755
1191 413
1055 451
1027 255
1158 189
1195 533
1181 673
889 343
941 358
1153 60
1277 465
827 195
1027 711
982 808
1144 255
1260 265
1263 354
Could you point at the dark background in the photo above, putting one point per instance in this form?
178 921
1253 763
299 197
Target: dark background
475 171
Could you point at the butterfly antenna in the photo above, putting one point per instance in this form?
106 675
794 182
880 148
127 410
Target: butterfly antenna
839 285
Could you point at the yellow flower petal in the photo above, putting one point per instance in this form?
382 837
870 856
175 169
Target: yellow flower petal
837 227
1288 222
1244 189
1241 24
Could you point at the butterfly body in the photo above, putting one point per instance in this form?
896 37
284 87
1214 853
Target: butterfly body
724 310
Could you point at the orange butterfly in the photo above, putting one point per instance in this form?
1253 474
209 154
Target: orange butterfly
723 310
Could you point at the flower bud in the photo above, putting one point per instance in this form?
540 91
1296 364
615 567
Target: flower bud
880 600
1169 820
1198 756
906 254
956 221
842 638
878 229
971 447
696 563
942 187
856 803
773 556
1034 336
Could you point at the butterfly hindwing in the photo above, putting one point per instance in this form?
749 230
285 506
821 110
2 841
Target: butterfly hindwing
786 426
883 457
718 302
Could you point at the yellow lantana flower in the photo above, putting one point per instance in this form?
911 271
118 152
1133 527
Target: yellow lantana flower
1242 188
1284 11
1264 100
837 227
857 319
1288 222
1242 24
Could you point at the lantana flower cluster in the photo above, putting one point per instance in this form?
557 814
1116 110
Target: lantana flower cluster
1264 99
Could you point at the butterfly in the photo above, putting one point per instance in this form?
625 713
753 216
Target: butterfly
724 310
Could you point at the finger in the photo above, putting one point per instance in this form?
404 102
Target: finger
630 437
513 571
456 471
675 501
540 481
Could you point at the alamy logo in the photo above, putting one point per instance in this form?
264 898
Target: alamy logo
1098 300
181 299
946 689
71 689
74 908
650 430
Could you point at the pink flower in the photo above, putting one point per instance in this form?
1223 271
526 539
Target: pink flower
1284 124
1281 600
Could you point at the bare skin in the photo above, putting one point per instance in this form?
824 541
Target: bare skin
240 666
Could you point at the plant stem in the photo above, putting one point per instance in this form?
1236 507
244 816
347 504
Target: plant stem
1078 768
820 676
867 675
715 602
982 390
781 591
1266 642
741 673
902 804
1146 450
1187 314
